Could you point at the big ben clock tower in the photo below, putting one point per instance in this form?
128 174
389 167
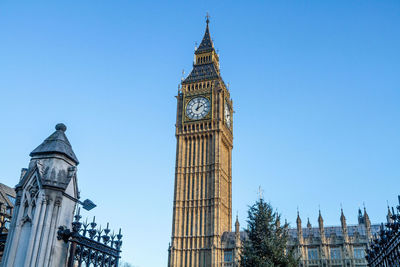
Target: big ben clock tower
202 210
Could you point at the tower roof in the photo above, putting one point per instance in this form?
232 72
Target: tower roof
320 220
298 219
342 218
366 217
202 72
56 143
206 44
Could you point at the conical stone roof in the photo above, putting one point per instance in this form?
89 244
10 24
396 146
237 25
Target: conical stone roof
206 44
56 143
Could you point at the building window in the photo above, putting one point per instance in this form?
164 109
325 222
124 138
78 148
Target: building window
335 254
359 253
313 254
228 256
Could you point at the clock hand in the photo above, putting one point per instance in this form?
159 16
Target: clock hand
198 106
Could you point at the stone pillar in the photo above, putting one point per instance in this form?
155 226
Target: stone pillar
46 199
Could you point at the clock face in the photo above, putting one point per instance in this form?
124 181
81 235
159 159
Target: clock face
198 108
227 115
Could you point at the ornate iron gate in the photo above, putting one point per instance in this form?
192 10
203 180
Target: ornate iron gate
385 249
91 246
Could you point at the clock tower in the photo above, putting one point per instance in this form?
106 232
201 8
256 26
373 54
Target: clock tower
202 208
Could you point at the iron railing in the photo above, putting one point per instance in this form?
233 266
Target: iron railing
91 246
384 250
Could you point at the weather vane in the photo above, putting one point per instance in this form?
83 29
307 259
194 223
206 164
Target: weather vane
207 18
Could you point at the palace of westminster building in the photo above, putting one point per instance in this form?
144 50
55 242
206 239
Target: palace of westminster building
47 194
202 207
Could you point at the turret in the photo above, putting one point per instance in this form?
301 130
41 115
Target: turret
343 220
298 221
299 229
46 198
309 228
238 243
237 226
367 224
389 215
321 227
344 225
237 233
345 234
361 219
320 221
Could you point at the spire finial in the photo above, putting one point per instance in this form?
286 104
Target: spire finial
183 75
237 224
61 127
207 18
298 220
260 192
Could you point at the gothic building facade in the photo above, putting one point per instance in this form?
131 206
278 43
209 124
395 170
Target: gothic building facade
202 207
333 246
7 201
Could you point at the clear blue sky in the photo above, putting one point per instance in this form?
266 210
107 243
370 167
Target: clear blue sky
315 84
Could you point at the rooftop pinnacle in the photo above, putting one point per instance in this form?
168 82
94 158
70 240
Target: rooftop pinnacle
56 143
61 127
206 44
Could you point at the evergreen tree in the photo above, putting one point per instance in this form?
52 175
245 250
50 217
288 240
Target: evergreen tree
267 239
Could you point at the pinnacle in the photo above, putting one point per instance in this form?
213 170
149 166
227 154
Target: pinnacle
61 127
57 143
206 44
